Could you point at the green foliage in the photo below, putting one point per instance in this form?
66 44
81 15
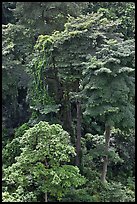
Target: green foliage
16 45
124 143
38 96
61 179
19 196
20 131
84 52
116 192
113 192
13 148
121 150
84 33
113 64
97 150
57 140
124 11
46 17
45 149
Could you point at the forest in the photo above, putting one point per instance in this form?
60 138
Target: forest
68 102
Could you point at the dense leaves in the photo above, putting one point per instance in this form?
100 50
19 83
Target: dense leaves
44 149
68 101
113 64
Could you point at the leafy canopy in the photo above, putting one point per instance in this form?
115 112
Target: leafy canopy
113 65
43 160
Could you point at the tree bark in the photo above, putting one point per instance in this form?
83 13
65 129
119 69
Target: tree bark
78 139
69 117
105 162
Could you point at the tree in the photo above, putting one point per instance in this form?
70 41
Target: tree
17 44
23 22
124 11
113 104
43 163
81 76
47 59
46 17
13 146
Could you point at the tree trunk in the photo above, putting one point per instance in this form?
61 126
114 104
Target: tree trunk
46 199
78 139
67 113
105 162
69 117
